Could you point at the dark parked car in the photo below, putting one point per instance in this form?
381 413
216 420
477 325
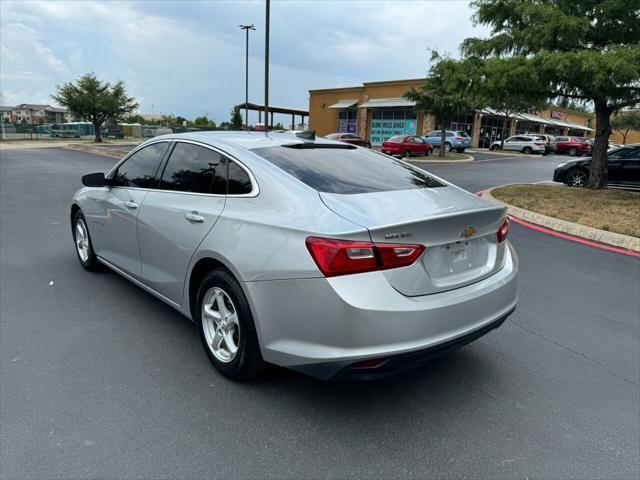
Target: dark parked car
351 138
623 166
573 145
406 146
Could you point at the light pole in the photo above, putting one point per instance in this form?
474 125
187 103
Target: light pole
246 28
266 67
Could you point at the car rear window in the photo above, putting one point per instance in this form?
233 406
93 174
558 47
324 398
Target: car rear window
347 171
462 134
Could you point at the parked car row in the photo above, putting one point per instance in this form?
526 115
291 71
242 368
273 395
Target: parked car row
623 169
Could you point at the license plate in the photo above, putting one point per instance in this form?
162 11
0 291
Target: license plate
459 256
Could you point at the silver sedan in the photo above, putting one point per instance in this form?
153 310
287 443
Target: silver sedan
320 256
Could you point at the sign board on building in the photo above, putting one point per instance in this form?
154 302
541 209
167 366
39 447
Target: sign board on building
382 130
557 114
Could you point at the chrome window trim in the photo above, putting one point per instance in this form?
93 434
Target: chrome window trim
255 188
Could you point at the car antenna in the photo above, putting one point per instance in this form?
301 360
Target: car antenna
307 134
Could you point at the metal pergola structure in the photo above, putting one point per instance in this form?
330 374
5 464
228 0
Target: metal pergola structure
256 107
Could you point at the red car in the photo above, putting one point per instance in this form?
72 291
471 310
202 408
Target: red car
351 138
406 146
573 146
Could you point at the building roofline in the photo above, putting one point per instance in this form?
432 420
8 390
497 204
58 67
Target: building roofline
364 84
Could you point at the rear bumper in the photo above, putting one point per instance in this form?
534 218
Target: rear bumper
322 326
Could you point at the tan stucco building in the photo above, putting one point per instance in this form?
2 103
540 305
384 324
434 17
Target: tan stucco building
377 110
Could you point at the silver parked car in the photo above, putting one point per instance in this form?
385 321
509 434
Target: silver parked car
320 256
522 143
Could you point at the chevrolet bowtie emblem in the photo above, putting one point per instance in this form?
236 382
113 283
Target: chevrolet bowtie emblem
468 232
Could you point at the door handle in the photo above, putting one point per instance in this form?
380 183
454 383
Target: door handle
193 217
131 205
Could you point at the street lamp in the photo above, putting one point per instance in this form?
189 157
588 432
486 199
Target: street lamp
266 66
246 28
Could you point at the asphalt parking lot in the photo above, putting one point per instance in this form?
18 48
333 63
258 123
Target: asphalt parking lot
100 379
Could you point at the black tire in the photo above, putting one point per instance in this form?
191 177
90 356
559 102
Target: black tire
429 151
407 154
577 177
248 359
493 148
447 147
91 263
460 150
573 151
527 150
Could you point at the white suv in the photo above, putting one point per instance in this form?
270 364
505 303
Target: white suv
521 143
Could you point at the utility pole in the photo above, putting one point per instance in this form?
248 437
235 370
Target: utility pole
266 68
246 28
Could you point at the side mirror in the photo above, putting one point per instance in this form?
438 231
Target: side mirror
93 180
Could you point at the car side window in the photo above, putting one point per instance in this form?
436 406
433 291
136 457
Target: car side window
196 169
239 182
449 134
418 140
409 140
432 134
141 168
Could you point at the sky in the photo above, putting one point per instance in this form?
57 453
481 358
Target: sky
187 57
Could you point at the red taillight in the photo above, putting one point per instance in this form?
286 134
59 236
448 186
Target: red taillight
503 230
457 138
343 257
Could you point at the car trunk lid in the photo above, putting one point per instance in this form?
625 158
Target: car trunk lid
458 230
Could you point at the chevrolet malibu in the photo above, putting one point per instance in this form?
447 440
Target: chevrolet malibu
327 258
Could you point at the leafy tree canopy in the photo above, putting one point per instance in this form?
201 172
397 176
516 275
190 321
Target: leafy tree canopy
584 50
446 92
626 122
96 101
236 118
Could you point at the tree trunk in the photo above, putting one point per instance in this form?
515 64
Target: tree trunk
97 126
505 131
443 137
598 175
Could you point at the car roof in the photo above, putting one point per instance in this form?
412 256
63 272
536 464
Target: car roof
242 139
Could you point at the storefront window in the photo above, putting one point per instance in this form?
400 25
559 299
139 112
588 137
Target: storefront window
492 130
462 122
527 127
388 122
348 120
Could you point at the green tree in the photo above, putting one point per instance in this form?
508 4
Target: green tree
626 122
203 121
96 101
446 92
586 51
509 87
134 119
236 118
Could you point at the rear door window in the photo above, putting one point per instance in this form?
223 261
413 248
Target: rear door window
347 171
195 169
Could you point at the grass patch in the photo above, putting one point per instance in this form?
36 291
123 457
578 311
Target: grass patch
612 210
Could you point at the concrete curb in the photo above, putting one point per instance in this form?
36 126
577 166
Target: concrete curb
461 160
512 154
594 234
96 150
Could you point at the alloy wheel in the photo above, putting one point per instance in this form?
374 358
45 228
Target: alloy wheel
82 240
577 178
220 324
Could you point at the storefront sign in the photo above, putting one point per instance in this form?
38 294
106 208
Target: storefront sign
557 114
382 130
